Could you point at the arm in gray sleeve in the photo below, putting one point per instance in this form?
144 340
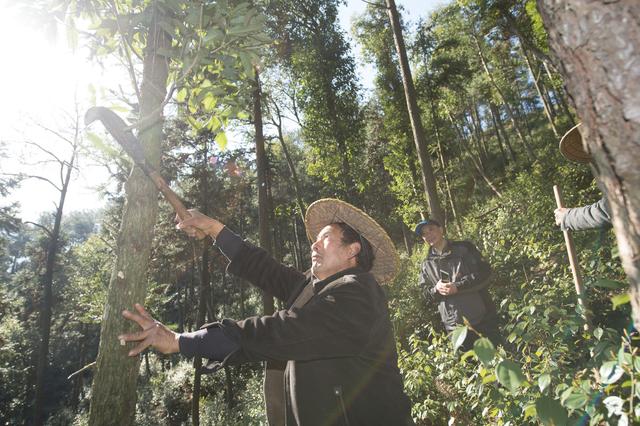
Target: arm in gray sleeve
596 215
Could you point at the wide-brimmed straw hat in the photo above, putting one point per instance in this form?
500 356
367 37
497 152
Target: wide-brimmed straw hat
330 210
571 146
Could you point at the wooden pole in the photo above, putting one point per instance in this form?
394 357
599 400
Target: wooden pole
573 262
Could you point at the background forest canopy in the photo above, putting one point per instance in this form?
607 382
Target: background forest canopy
280 79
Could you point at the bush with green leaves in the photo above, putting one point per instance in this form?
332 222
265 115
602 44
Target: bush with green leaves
551 370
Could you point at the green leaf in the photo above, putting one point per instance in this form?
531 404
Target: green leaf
484 350
573 398
597 333
467 354
624 357
221 140
510 375
605 283
458 336
544 381
209 102
620 299
181 95
214 124
529 411
550 412
610 372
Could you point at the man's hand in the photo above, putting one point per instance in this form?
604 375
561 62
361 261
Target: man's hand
559 214
198 221
446 288
153 334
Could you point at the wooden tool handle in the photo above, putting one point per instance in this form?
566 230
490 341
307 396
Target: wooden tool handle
558 195
573 262
173 199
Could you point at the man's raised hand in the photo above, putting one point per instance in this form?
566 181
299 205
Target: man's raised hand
154 333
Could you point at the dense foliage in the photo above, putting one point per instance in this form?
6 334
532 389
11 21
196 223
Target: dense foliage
492 107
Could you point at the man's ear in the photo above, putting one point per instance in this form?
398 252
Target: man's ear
354 249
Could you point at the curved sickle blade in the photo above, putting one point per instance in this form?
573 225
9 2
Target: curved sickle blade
118 129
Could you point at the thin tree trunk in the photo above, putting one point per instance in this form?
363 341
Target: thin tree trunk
263 202
436 126
547 108
113 400
560 95
407 238
470 158
598 47
229 394
498 136
428 179
505 135
510 113
294 175
203 297
46 303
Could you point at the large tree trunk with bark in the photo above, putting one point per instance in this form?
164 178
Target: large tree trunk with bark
113 396
597 44
428 178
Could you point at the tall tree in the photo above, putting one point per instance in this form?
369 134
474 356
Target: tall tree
66 169
428 178
114 385
315 49
597 45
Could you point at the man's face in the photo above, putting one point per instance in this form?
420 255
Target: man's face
432 234
328 253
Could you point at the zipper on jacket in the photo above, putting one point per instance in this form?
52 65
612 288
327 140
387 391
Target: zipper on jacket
337 391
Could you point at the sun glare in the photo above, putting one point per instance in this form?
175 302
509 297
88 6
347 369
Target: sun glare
39 75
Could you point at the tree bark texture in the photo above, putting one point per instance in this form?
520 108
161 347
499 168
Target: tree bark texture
597 44
428 178
113 400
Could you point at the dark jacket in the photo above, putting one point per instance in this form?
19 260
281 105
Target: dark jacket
596 215
339 347
462 264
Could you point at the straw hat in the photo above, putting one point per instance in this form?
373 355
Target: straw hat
571 146
330 210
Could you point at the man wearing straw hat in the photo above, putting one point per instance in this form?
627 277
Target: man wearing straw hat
596 215
335 337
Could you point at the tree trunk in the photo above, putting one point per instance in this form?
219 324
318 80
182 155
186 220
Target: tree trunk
294 175
510 113
471 160
203 296
113 400
598 47
498 121
547 108
505 159
560 95
47 288
452 203
428 179
263 202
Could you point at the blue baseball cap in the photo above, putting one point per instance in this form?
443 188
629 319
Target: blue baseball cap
425 222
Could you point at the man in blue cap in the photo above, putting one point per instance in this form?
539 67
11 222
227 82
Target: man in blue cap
456 277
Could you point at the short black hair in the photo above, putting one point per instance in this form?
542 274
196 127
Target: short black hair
365 257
